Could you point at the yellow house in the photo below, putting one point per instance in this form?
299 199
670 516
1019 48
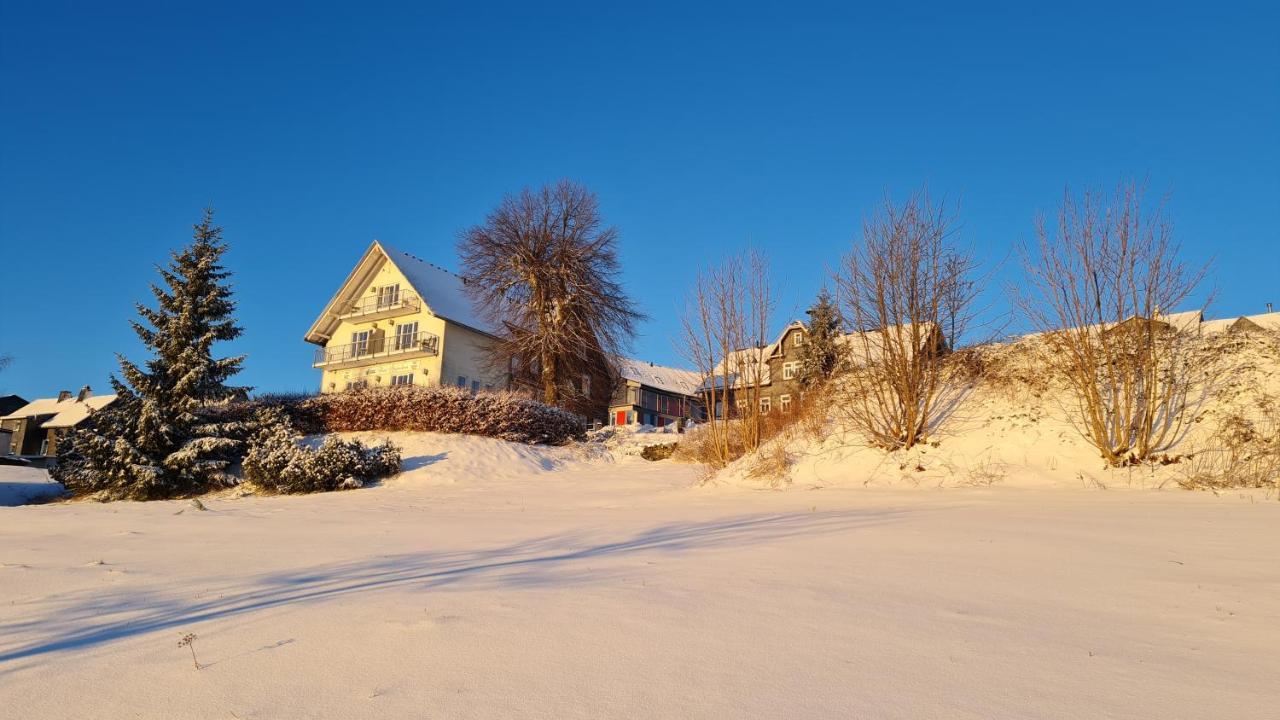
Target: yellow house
399 320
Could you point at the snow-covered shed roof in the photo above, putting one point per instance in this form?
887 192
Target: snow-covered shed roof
676 380
66 413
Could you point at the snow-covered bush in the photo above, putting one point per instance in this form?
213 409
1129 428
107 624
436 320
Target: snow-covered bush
434 409
279 461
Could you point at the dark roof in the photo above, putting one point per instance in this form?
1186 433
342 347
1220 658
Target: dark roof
9 403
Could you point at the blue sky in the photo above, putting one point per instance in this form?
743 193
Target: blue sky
315 129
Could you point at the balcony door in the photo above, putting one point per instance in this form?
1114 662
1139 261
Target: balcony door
388 296
406 335
360 343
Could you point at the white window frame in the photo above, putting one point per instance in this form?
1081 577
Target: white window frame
790 370
784 403
798 340
402 379
766 404
406 333
360 342
388 296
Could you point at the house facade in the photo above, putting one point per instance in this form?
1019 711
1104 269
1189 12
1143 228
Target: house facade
36 427
399 320
649 394
775 369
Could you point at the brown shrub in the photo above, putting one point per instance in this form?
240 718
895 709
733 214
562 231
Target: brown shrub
430 409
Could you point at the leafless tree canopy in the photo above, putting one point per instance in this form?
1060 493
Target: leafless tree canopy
901 286
725 334
545 269
1101 281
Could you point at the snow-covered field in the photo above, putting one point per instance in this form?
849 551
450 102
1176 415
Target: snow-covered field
493 581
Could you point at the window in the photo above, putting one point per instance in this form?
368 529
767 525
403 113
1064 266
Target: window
357 384
360 342
791 370
784 403
798 338
406 335
764 406
388 296
475 386
462 381
402 379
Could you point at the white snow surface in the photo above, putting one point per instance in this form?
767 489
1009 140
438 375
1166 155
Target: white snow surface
21 485
493 580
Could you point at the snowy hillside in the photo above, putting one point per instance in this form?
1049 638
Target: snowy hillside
1014 428
495 580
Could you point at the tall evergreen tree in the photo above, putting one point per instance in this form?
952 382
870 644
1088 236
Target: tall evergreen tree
820 355
158 440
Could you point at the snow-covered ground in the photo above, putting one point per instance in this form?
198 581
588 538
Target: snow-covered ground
493 580
21 485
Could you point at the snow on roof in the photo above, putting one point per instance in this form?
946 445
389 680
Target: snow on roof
444 292
743 366
1266 321
676 380
66 413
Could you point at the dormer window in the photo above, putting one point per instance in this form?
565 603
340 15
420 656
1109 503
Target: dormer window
798 338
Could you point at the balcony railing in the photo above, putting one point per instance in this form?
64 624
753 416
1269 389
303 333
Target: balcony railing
419 343
385 304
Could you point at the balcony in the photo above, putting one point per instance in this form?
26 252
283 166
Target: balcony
383 305
367 352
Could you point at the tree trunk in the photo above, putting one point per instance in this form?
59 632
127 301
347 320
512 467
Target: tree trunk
550 387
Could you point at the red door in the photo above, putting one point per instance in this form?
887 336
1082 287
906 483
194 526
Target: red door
622 417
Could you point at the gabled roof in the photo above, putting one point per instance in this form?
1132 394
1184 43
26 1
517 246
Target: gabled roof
676 380
1264 321
9 403
443 292
65 413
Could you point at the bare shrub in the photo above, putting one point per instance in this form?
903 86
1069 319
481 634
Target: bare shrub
1244 453
984 473
900 286
771 463
1099 284
724 335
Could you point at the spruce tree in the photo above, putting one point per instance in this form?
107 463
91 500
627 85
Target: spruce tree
820 355
159 439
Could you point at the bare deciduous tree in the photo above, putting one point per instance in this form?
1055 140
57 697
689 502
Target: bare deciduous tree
1100 284
900 287
545 269
724 336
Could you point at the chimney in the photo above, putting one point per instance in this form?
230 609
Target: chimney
85 392
64 395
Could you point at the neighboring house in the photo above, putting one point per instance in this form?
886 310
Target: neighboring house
775 367
778 367
1269 321
648 394
399 320
37 426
